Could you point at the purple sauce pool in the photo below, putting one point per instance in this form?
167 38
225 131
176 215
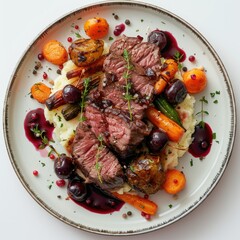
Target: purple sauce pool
34 121
202 141
100 202
170 50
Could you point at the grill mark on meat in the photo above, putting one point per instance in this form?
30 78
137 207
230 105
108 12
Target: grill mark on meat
123 135
147 55
124 43
141 83
85 149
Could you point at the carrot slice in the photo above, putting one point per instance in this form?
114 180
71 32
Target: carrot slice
175 181
172 129
96 27
142 204
195 80
54 52
40 92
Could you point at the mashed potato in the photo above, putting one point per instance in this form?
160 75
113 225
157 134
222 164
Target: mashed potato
64 130
174 151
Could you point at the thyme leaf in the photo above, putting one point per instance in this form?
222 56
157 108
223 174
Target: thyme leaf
98 166
83 98
40 134
128 85
177 57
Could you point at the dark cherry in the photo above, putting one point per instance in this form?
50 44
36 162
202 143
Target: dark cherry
71 94
202 140
175 92
157 140
64 166
77 190
159 38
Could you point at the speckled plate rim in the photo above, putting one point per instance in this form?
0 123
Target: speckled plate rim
232 133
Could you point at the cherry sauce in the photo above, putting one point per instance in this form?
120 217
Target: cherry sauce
202 140
35 119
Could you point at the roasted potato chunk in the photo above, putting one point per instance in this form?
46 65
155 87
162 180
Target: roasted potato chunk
85 51
145 174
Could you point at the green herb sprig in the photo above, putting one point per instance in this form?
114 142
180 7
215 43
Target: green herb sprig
203 112
40 134
98 166
86 83
177 57
127 76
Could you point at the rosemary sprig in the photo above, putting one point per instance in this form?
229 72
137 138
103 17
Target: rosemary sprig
98 166
127 76
83 98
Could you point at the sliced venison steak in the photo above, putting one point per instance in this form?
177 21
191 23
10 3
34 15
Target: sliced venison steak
97 164
141 84
120 133
145 54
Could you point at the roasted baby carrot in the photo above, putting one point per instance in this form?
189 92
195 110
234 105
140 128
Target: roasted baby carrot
40 92
172 129
142 204
175 181
170 67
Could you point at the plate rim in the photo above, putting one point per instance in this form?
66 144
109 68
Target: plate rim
229 89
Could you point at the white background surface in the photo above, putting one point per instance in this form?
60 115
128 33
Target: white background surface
216 218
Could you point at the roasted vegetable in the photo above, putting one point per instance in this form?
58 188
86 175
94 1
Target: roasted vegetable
70 111
57 99
195 80
85 51
145 175
54 52
169 69
87 70
40 92
175 181
142 204
167 109
172 129
96 27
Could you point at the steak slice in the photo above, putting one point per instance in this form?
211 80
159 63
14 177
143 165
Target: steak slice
145 54
120 133
141 84
98 165
122 43
114 93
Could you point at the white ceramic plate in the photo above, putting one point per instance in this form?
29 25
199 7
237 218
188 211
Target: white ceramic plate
201 177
